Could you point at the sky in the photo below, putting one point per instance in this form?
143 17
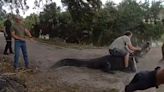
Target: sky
58 2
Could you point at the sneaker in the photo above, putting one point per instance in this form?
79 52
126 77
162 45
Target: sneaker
126 70
11 52
5 54
16 70
27 67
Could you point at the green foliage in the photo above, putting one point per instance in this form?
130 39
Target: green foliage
1 24
31 20
50 13
106 24
103 25
49 19
81 10
87 21
130 15
155 31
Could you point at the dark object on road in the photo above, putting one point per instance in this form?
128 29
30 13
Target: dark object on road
143 80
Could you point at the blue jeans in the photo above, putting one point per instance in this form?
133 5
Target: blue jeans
20 45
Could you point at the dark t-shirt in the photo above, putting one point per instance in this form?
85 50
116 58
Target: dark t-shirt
8 25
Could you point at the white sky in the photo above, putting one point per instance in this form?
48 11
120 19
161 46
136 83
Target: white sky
58 2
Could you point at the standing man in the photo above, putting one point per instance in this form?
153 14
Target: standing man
18 33
7 34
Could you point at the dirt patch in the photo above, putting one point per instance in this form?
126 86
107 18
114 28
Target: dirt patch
64 79
9 80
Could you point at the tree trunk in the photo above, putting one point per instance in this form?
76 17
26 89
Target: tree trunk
163 51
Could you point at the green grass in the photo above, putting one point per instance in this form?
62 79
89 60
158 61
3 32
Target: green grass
58 44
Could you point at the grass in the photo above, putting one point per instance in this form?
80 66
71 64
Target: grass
61 45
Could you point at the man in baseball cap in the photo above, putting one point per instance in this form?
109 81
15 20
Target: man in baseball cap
19 33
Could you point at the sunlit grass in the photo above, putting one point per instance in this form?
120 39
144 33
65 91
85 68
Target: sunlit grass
59 44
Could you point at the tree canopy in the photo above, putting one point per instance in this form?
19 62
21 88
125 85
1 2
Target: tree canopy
89 21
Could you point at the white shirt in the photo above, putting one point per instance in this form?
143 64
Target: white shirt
121 43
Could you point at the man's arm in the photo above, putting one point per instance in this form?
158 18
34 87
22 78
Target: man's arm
4 31
130 46
160 77
28 33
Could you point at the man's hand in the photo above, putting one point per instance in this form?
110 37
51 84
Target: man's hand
139 48
131 51
22 39
32 40
5 35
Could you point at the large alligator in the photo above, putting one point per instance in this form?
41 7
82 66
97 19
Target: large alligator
106 63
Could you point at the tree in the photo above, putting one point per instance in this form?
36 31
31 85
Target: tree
153 27
87 21
153 11
105 24
83 13
31 19
16 5
49 18
130 15
80 9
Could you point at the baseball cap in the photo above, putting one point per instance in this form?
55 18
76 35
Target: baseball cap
17 17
